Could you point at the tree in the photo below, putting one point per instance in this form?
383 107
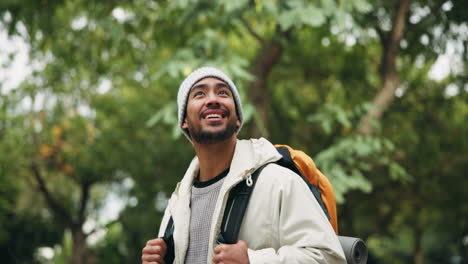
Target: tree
109 74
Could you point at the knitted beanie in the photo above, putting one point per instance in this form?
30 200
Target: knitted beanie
194 77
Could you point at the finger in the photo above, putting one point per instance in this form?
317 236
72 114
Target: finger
153 250
159 242
219 248
163 244
217 259
154 242
151 241
152 258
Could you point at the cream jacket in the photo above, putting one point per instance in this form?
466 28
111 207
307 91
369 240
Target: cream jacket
283 222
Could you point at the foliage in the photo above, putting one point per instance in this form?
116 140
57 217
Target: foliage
99 111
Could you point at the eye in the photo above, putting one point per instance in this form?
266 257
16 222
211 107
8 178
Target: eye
198 93
223 92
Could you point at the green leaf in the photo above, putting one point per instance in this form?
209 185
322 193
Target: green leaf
312 16
328 6
154 119
248 111
230 6
342 117
288 19
166 115
339 19
271 6
176 132
362 6
398 173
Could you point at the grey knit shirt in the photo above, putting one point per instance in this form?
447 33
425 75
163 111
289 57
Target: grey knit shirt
202 204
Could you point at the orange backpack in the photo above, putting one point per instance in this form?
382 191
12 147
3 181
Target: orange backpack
318 183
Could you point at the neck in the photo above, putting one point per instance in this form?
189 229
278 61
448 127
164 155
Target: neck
214 158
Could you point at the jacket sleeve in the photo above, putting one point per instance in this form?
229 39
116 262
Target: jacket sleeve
299 226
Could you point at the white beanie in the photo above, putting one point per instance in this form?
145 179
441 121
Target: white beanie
196 76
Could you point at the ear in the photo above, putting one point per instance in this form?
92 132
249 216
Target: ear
184 124
238 123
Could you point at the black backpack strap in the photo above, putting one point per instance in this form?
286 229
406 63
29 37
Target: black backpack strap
169 239
236 206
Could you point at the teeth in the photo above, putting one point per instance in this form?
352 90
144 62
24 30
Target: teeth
213 116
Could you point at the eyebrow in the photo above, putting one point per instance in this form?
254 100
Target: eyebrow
220 84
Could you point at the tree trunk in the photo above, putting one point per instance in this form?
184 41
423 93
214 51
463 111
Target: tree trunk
79 250
80 253
417 253
267 58
389 73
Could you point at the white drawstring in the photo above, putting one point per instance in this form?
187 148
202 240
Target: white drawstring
249 180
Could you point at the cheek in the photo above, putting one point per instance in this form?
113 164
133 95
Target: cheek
229 103
194 104
191 109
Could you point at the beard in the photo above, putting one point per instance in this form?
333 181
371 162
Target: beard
206 137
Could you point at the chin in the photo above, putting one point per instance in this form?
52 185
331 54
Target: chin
209 137
213 134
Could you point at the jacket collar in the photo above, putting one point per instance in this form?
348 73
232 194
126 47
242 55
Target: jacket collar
249 155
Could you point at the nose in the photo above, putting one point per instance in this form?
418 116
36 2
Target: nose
212 100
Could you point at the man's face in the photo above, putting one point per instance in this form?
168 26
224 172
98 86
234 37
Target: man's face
211 112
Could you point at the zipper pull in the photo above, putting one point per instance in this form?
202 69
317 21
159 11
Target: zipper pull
249 180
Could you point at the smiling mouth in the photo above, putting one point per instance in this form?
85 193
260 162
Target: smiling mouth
212 116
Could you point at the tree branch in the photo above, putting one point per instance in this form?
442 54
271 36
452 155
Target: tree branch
268 56
94 230
383 43
53 204
396 36
84 200
389 72
251 30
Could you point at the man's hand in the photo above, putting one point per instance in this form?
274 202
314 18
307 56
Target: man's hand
154 252
231 254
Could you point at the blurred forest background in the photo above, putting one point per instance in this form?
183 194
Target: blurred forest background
90 149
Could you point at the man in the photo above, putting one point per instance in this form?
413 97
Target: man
283 222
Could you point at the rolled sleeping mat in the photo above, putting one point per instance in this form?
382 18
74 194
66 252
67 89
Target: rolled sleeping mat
355 249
